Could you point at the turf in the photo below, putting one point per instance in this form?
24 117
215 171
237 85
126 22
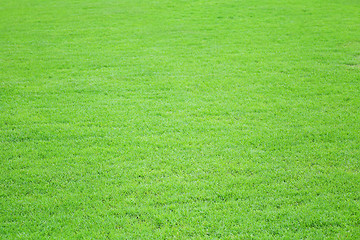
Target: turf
174 119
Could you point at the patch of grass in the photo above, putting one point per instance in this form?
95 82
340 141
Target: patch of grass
179 119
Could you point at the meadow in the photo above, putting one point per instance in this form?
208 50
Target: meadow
174 119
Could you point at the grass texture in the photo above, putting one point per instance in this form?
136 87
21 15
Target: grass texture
174 119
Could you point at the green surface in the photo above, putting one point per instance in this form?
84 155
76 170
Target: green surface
224 119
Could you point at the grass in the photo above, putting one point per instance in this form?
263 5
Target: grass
224 119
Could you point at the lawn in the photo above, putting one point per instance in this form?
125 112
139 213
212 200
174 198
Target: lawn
174 119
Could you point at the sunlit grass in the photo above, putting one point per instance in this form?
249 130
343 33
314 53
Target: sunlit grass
199 119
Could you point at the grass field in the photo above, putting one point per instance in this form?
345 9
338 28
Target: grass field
174 119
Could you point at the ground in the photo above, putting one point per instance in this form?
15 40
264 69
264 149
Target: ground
172 119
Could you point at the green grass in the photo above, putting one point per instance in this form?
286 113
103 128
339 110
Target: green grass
174 119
